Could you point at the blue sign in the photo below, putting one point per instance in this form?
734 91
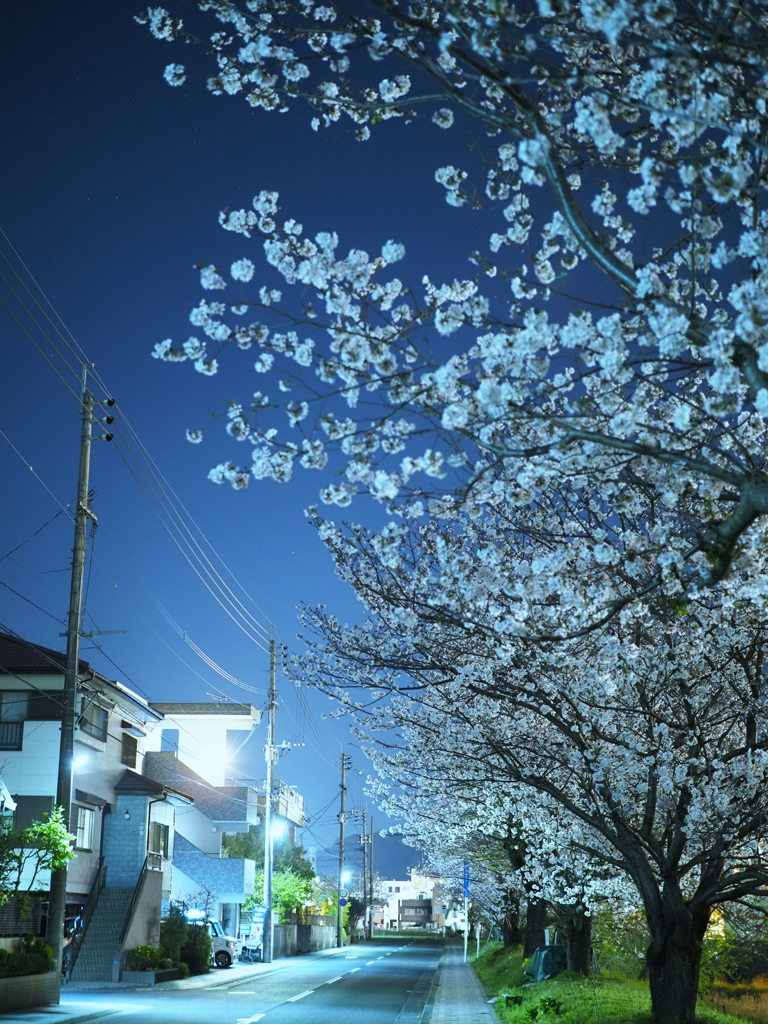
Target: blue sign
342 902
466 879
258 915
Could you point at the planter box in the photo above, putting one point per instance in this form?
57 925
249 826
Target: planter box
29 990
144 978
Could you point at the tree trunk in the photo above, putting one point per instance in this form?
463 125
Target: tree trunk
511 932
674 960
535 922
575 928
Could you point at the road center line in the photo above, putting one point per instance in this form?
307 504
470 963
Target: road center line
369 962
354 969
295 999
337 978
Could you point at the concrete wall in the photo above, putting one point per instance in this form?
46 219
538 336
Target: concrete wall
28 991
310 937
285 940
145 926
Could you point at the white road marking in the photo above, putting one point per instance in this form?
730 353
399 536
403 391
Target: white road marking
354 969
241 993
250 1020
337 978
295 999
368 962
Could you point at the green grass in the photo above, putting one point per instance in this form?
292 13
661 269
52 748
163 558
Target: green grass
570 999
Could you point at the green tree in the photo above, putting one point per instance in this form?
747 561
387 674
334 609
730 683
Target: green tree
43 846
287 855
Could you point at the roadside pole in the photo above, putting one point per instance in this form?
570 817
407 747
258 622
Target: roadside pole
268 941
342 823
57 899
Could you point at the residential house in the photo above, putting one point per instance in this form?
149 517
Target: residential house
116 817
191 749
150 803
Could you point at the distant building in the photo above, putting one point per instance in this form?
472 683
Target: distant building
408 903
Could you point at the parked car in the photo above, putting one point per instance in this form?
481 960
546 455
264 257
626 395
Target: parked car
225 949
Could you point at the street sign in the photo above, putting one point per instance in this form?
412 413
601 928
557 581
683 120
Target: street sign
342 902
343 892
466 879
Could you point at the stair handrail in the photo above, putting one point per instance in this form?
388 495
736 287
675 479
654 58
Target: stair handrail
99 880
134 899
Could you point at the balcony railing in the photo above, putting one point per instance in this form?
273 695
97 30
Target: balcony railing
11 734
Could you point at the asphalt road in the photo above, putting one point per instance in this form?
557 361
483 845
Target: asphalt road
381 982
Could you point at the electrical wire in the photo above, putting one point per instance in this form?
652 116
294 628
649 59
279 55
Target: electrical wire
174 520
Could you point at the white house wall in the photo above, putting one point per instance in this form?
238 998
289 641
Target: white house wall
202 741
198 830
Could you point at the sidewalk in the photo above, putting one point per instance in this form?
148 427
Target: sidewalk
457 995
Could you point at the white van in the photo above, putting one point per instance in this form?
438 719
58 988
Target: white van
225 949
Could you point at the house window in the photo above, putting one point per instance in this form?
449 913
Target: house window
169 740
158 839
14 706
29 809
84 818
397 888
93 719
129 750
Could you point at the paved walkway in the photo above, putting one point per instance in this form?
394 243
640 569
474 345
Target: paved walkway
458 996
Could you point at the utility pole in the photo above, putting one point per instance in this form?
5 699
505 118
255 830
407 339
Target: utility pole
364 841
57 900
342 823
370 881
270 754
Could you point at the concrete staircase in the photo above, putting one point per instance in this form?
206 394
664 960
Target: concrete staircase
101 940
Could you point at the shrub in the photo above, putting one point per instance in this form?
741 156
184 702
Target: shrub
196 951
173 933
34 957
182 968
147 958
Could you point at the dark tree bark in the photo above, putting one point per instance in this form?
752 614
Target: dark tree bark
575 928
511 932
674 957
535 922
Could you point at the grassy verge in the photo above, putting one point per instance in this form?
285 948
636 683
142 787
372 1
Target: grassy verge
745 1000
569 999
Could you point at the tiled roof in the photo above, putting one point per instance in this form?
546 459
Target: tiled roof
18 655
137 785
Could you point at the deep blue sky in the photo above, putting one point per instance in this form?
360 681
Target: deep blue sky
110 187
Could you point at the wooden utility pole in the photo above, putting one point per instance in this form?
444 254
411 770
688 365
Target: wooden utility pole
58 889
270 755
342 823
364 841
370 880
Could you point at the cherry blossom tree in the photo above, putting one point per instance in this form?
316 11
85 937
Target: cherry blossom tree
624 160
571 584
635 754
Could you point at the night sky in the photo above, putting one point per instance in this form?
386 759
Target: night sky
110 187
